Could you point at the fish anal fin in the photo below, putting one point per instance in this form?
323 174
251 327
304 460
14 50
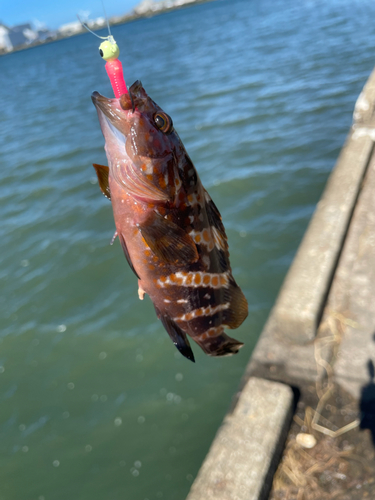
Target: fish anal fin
169 242
102 172
236 314
126 252
177 335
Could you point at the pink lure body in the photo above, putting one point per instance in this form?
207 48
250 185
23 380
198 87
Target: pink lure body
116 76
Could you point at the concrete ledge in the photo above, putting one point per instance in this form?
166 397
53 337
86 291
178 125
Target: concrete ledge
246 450
285 350
278 358
352 298
301 299
364 110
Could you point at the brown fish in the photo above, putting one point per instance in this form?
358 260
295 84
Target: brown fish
169 228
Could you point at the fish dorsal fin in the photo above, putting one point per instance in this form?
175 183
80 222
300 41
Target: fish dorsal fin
177 335
102 172
126 252
213 214
168 241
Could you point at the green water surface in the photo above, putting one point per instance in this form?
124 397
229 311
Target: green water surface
96 403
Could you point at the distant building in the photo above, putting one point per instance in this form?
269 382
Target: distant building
144 7
70 29
99 22
178 3
44 34
5 43
22 34
75 27
151 6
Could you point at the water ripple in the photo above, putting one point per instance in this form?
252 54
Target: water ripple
262 95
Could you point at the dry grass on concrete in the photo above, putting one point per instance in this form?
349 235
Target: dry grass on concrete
327 455
338 468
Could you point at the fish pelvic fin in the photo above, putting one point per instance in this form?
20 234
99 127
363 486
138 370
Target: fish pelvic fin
126 252
177 335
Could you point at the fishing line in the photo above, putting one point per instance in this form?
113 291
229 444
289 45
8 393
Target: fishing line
106 18
110 51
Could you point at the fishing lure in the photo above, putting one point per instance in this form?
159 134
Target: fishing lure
169 228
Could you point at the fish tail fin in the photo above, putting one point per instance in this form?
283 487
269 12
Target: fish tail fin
216 343
238 311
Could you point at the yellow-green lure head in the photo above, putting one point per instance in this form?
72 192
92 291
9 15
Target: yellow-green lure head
109 49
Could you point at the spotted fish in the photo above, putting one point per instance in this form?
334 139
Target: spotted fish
169 228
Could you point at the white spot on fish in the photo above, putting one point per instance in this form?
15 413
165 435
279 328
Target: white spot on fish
220 242
193 199
206 261
149 168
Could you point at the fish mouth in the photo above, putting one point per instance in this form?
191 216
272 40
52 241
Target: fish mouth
113 119
118 115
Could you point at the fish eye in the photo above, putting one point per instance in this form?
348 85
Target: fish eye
163 122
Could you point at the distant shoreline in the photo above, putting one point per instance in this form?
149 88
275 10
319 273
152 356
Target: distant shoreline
114 21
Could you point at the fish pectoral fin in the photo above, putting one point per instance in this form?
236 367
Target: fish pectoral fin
169 242
138 185
126 252
102 172
177 335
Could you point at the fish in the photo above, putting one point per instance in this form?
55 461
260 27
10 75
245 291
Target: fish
169 228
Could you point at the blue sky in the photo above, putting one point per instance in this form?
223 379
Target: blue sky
54 13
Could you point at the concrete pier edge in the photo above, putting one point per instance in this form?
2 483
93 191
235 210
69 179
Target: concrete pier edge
245 452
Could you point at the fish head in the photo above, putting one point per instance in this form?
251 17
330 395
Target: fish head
141 144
